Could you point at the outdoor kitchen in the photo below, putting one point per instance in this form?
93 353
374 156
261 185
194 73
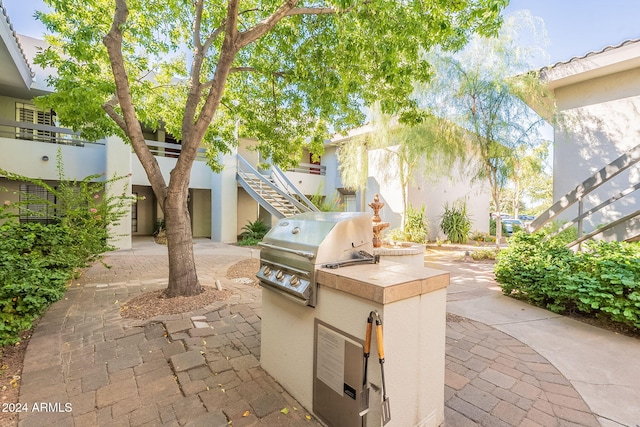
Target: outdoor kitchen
357 340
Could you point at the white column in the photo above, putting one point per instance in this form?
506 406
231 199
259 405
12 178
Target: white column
224 201
118 163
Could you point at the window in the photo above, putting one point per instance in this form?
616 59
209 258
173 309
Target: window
31 114
40 204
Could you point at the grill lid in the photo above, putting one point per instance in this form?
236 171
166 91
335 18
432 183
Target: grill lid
322 237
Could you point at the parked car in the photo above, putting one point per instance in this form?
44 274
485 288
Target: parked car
511 224
526 217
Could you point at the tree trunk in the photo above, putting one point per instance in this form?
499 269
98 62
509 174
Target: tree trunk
183 279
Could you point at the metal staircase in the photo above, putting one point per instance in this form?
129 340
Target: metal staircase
626 228
273 191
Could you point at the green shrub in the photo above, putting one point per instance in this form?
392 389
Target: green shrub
603 280
480 236
416 228
484 254
331 203
255 230
37 260
456 223
396 235
613 288
565 236
492 227
35 266
248 242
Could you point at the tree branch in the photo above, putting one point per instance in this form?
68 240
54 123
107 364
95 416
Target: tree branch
316 11
109 108
267 24
129 121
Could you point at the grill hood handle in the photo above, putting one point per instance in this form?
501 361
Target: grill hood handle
365 258
306 254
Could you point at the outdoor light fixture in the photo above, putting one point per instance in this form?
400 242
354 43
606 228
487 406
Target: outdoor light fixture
45 158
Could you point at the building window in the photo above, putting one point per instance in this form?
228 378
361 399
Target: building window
39 204
28 113
134 214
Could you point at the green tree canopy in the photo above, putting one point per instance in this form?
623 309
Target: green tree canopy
285 71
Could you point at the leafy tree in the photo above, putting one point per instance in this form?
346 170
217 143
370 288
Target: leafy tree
529 180
286 71
481 90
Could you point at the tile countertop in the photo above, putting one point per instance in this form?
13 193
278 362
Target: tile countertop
383 283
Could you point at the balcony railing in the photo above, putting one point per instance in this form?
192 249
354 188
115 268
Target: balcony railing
63 136
309 168
41 133
172 150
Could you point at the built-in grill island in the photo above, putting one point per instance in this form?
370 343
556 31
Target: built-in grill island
320 283
296 247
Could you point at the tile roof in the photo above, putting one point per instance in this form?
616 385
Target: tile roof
4 16
592 53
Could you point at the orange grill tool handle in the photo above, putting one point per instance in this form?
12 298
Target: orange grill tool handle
367 341
379 341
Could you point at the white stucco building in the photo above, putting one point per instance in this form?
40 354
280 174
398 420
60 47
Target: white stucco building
598 101
220 204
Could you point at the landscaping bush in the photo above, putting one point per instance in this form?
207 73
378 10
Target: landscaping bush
602 281
455 222
253 233
37 260
493 226
481 236
416 227
34 268
484 254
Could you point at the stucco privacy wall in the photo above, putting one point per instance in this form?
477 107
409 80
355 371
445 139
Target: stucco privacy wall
432 192
600 119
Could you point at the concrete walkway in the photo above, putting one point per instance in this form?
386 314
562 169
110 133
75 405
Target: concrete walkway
601 366
91 367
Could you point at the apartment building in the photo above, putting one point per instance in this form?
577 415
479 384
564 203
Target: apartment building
220 204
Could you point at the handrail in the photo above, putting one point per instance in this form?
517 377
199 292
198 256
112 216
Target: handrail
619 165
602 205
244 168
603 229
280 176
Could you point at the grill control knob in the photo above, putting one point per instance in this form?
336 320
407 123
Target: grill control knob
279 274
266 270
294 281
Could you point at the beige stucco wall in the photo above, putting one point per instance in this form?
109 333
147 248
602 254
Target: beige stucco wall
433 193
247 209
201 213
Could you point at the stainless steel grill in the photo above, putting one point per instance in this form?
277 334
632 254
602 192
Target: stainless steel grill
296 247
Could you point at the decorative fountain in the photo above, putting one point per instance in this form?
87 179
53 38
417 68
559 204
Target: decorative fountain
377 223
402 252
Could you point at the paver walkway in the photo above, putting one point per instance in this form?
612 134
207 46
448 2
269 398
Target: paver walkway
202 368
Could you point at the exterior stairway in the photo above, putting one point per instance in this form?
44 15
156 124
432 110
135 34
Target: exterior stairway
626 228
273 191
